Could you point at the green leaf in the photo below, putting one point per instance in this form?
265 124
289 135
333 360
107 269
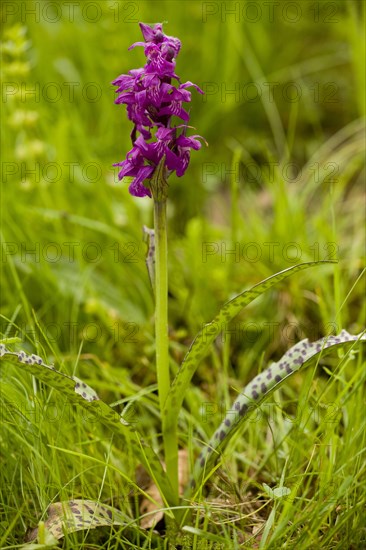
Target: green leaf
45 538
299 356
277 492
268 527
12 340
210 331
81 394
268 490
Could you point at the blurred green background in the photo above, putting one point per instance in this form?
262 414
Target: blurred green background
280 182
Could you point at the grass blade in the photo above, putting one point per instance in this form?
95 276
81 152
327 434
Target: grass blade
81 394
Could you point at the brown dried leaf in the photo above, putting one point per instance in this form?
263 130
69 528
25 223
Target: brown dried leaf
154 508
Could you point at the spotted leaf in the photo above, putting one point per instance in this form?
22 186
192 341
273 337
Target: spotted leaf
78 515
301 355
81 394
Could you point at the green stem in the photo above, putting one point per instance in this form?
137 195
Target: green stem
162 342
161 306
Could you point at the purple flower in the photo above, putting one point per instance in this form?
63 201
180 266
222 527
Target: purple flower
151 101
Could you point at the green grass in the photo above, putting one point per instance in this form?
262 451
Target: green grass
298 178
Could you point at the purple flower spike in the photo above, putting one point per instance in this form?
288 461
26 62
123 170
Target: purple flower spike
151 101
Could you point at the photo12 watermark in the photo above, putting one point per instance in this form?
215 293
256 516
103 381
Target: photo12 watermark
53 172
116 332
71 252
50 92
269 92
63 411
268 251
52 12
269 172
212 411
271 11
250 332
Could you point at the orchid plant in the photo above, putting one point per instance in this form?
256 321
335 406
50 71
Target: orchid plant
160 149
154 97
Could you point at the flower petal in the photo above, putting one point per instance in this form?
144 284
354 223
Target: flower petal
151 101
